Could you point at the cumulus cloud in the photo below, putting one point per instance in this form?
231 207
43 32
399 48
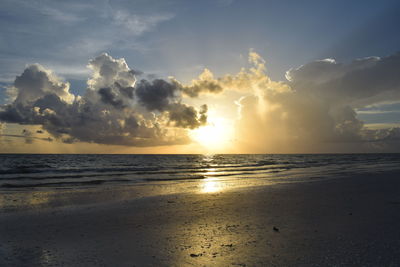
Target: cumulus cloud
113 110
362 82
314 110
156 95
185 116
314 106
112 79
107 71
204 84
36 82
246 80
317 105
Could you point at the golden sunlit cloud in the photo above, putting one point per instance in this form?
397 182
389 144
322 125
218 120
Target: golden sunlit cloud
217 135
247 112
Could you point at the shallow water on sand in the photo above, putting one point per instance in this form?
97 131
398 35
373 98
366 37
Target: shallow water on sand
134 210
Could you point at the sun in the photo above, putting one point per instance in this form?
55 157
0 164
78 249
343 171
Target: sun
217 135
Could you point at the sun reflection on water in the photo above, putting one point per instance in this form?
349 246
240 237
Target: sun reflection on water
211 185
211 172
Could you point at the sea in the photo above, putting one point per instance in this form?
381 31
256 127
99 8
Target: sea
21 172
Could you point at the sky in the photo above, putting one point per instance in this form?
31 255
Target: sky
217 76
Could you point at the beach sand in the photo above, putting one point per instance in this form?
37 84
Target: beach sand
352 221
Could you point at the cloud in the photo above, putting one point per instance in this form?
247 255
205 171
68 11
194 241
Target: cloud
317 104
36 82
113 110
156 95
313 109
204 84
160 95
28 139
138 24
27 135
109 97
60 15
185 116
112 79
362 82
108 71
246 80
388 134
78 30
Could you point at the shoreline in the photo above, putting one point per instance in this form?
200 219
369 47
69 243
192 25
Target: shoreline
332 222
31 198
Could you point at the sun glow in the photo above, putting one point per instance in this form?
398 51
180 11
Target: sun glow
216 135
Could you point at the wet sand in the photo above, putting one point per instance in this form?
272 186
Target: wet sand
338 222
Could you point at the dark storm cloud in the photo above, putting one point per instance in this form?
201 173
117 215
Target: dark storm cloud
126 91
185 116
161 95
113 110
202 87
108 97
157 94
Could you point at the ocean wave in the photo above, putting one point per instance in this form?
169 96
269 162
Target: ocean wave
24 171
62 184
